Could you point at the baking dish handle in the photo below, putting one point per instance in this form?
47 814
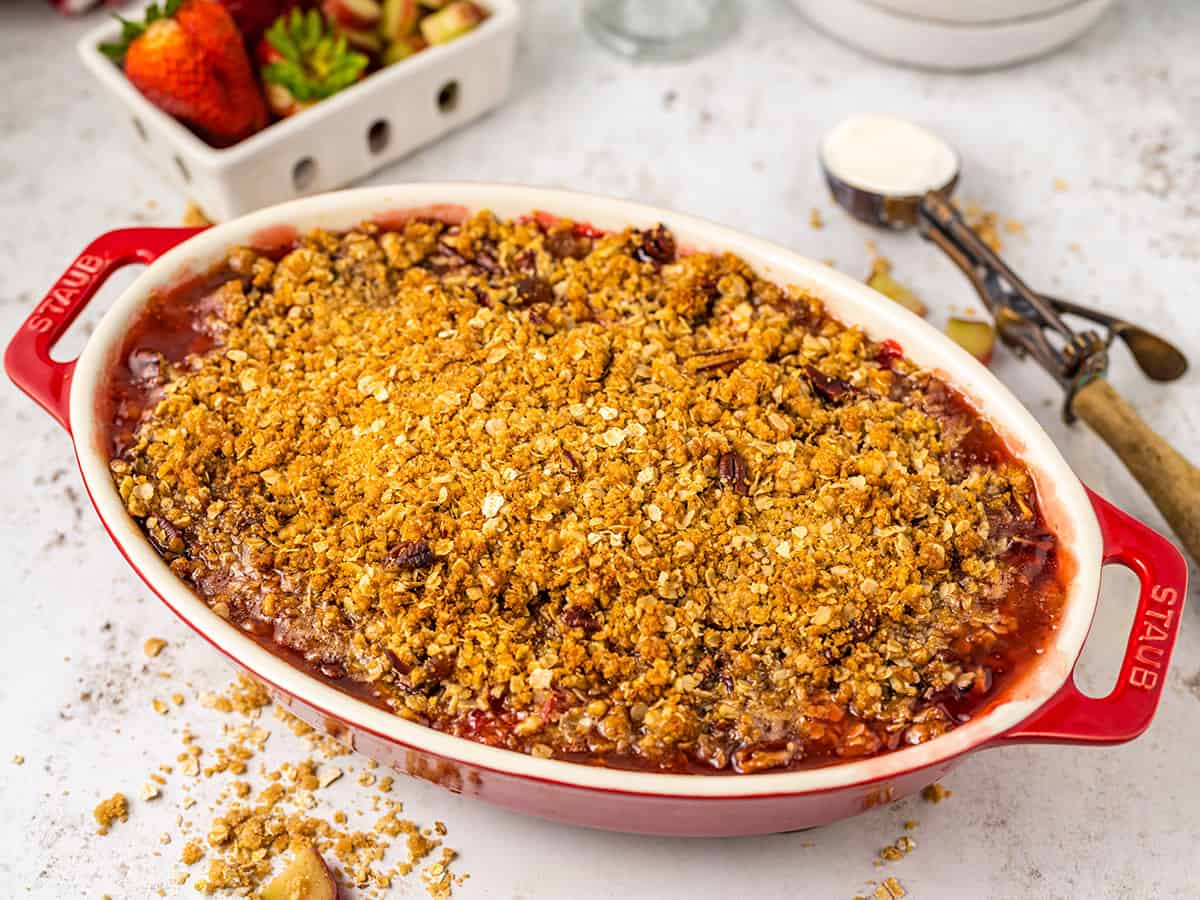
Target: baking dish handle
27 359
1074 718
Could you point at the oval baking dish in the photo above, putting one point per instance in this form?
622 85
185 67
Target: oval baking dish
1039 704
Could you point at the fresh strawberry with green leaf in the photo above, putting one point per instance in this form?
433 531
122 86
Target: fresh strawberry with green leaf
188 59
304 60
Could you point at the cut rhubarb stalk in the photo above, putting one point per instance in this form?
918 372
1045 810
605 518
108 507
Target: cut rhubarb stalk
306 878
399 19
977 338
358 15
452 22
881 280
402 48
363 39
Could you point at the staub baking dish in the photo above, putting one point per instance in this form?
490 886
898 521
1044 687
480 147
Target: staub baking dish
1040 704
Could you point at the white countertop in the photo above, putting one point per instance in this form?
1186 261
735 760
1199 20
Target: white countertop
731 137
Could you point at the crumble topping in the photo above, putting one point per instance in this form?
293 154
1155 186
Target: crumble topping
574 493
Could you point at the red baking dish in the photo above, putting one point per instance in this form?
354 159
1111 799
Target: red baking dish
1040 704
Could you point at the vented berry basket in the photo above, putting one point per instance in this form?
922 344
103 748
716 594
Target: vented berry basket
339 140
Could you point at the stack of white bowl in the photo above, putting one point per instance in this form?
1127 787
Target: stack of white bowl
955 34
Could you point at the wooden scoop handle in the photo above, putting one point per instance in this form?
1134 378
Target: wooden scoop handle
1172 482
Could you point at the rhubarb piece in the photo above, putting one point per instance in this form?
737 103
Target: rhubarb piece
357 15
399 19
977 338
452 22
308 60
366 40
881 280
402 48
281 101
306 878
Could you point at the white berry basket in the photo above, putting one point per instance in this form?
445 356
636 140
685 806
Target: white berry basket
385 116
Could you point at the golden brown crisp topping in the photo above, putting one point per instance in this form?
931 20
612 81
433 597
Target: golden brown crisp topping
579 494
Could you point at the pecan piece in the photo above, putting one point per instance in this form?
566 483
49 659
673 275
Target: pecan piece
733 472
657 245
534 290
410 555
578 617
525 261
565 244
727 358
832 390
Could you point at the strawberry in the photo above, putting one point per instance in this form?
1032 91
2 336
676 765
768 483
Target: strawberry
303 60
188 59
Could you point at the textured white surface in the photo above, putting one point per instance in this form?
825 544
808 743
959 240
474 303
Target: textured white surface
731 137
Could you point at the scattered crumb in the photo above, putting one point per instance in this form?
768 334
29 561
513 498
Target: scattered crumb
910 825
245 696
1060 185
153 646
159 706
890 890
192 853
1012 226
194 217
109 811
814 219
149 791
903 846
935 793
18 759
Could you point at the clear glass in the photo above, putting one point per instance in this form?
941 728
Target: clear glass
660 29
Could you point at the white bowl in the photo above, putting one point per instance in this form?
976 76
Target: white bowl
331 144
975 11
943 34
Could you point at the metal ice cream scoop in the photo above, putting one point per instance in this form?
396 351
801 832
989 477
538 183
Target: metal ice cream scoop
894 174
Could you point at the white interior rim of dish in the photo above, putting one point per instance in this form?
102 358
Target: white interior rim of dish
1065 504
888 156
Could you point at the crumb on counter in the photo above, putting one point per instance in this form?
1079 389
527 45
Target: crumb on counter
935 793
111 810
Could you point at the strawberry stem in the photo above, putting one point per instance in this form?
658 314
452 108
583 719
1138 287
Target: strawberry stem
131 31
